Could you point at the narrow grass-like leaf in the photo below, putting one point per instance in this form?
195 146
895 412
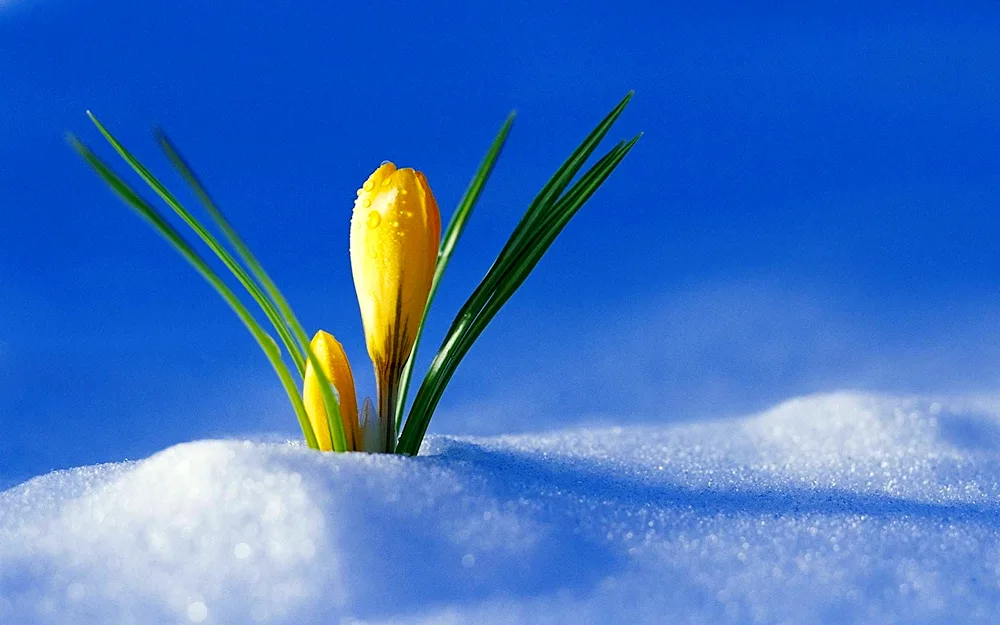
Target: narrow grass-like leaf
238 271
457 346
452 349
547 231
549 193
536 210
455 228
532 237
270 348
568 205
331 400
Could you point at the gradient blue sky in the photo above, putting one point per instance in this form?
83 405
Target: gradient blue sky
813 205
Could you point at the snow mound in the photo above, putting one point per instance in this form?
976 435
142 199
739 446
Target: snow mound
839 508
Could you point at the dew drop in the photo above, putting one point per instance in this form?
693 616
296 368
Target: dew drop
374 219
369 185
372 253
386 163
395 224
386 182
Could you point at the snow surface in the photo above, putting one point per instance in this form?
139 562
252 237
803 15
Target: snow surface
838 508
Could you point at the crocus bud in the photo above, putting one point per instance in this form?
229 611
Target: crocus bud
333 361
395 231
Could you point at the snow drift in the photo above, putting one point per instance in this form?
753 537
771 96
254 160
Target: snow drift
841 508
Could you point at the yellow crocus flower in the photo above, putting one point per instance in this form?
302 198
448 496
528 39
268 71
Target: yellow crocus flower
333 361
395 231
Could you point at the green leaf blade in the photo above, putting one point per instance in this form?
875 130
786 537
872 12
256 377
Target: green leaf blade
543 221
284 312
448 242
209 239
267 344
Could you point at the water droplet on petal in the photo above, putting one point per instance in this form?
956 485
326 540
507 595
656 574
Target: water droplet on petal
369 185
395 224
385 163
372 253
366 202
386 182
374 219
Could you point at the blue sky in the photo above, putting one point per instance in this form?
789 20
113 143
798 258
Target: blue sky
813 205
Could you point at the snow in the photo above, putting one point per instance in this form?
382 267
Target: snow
835 508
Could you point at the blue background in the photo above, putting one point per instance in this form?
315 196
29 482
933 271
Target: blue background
812 207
